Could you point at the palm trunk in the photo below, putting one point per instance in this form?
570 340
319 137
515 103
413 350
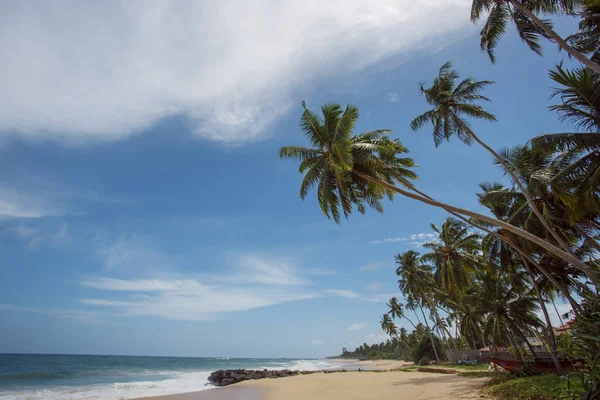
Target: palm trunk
433 310
548 333
557 313
534 208
413 325
548 276
560 41
430 335
578 264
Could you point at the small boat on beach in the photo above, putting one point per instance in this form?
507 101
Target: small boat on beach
503 358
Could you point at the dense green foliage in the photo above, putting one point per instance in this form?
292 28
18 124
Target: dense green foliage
491 275
542 387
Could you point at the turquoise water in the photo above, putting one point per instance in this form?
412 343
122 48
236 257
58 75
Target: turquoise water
41 376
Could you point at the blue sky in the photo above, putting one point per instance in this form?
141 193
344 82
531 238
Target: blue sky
143 206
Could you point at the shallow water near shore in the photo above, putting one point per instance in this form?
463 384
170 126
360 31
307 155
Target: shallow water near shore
79 377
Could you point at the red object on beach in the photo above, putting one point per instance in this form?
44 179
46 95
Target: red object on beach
543 365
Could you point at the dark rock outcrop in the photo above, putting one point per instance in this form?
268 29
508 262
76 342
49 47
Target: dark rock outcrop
231 376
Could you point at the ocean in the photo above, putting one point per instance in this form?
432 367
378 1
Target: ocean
71 377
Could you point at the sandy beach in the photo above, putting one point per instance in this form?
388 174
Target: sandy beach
392 385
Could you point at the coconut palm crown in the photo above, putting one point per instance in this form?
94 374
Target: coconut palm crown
337 153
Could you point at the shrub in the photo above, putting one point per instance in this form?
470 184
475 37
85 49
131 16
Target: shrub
424 361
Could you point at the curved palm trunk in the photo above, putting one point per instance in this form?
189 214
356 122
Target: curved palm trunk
534 208
548 332
430 335
521 252
560 41
577 263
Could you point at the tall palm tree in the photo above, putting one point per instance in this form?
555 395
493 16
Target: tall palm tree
451 101
415 280
529 26
454 254
359 170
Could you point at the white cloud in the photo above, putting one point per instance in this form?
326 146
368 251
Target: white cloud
372 287
348 294
85 71
371 267
184 299
355 327
263 270
317 342
415 239
393 97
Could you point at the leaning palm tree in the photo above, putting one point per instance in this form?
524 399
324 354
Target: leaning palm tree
529 26
451 101
397 310
359 170
388 325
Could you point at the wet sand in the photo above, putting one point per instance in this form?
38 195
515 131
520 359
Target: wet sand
226 393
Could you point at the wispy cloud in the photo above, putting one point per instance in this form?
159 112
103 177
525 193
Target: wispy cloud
132 253
355 327
372 287
23 204
35 237
415 240
268 271
371 267
230 86
382 297
187 299
87 317
317 342
348 294
321 271
393 97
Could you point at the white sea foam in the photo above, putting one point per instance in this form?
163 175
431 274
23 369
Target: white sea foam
302 365
180 383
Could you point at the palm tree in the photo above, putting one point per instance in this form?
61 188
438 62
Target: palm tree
397 311
359 170
450 101
415 280
388 325
454 255
508 316
587 38
529 26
